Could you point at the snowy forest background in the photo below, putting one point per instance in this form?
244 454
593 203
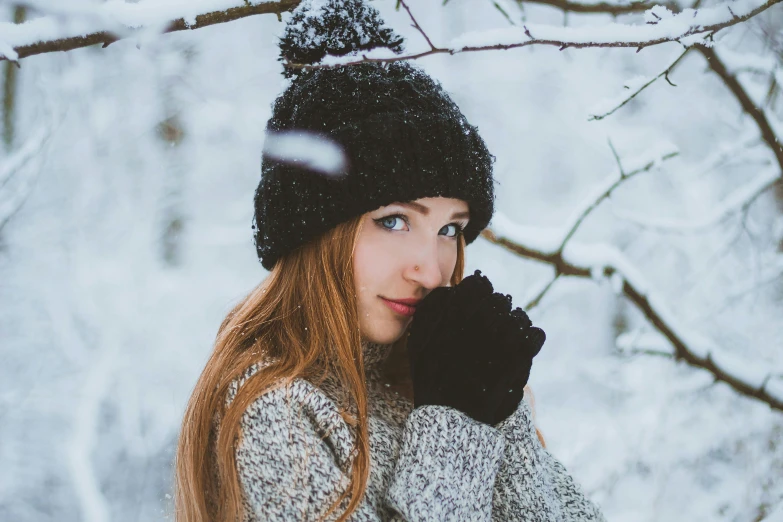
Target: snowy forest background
126 186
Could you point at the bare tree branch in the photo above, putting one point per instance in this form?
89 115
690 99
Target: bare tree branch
614 265
107 37
675 335
744 99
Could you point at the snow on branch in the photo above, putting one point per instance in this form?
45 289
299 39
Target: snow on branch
552 241
724 62
687 27
555 247
601 7
580 260
105 23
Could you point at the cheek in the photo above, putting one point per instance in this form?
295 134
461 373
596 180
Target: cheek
373 261
447 260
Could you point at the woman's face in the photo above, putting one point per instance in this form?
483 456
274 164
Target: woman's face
394 240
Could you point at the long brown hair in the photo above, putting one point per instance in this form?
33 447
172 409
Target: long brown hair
304 318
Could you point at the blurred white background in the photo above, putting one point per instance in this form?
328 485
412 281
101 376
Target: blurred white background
126 198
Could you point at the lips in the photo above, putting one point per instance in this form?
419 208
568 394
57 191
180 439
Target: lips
400 307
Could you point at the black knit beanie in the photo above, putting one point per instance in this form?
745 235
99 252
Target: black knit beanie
402 135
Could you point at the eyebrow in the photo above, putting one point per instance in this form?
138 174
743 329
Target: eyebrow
422 209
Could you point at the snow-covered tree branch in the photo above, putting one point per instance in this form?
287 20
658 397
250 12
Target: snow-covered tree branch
72 28
688 27
747 378
110 22
556 248
711 54
601 7
126 236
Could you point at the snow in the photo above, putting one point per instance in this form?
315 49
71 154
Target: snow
618 282
676 26
378 53
734 60
730 205
630 86
775 516
544 240
643 340
750 372
310 150
31 146
17 178
115 16
548 240
103 336
774 387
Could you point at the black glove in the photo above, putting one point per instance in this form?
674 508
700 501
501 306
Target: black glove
468 350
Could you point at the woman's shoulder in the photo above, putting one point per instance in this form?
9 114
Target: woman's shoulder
296 393
290 407
237 383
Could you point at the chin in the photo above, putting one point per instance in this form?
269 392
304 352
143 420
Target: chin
388 336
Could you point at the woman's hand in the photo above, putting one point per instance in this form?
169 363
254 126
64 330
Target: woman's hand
469 350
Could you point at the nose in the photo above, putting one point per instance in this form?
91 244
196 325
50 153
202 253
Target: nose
428 274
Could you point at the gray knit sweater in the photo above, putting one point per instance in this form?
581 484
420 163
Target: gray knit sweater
432 463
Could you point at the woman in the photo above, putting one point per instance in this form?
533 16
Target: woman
364 379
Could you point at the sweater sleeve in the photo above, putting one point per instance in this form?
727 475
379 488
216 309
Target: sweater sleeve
447 466
293 460
532 484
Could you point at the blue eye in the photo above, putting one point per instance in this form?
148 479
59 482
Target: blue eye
388 223
389 219
457 229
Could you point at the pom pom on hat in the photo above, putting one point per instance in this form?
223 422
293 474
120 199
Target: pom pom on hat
335 27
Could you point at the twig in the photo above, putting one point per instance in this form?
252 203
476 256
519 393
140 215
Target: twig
665 74
537 299
573 223
416 24
608 191
503 12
